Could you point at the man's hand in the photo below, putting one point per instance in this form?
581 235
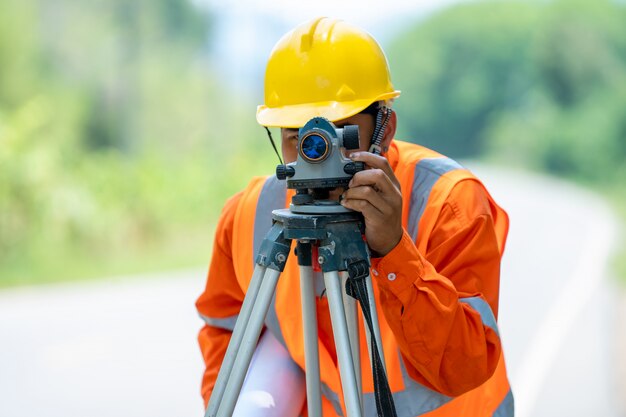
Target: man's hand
375 193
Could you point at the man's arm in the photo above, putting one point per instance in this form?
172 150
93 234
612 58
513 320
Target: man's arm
439 304
221 300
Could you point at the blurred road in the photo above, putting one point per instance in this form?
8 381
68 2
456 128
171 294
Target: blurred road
127 347
557 302
120 347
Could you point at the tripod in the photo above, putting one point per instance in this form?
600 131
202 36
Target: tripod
341 249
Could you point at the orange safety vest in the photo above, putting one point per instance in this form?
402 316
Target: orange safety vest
430 177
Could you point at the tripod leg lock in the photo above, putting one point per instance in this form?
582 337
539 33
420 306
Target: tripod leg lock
274 250
358 269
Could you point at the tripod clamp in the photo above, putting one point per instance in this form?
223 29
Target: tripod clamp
274 249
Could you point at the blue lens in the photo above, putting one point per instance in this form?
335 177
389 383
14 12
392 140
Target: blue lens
314 147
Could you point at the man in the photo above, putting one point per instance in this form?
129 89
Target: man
435 234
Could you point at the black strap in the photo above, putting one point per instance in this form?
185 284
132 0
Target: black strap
356 287
382 119
269 135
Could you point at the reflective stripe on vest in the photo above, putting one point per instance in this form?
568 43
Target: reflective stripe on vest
415 399
506 407
427 173
333 397
272 197
484 309
226 323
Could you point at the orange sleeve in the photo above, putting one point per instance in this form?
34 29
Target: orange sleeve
221 300
447 344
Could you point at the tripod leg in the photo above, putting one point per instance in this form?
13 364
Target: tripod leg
342 343
375 325
311 353
248 343
350 305
235 341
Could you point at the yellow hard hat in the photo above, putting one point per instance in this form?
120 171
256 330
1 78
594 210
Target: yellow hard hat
324 67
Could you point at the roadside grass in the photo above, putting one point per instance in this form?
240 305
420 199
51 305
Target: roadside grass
156 215
617 197
190 248
190 245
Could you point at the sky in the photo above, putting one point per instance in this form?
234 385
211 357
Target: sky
246 30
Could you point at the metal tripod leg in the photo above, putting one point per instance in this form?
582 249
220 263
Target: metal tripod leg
269 264
235 341
248 343
309 322
342 343
351 309
375 323
341 248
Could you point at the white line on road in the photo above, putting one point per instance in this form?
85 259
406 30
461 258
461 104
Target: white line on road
569 303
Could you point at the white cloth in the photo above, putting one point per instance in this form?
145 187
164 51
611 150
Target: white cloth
274 386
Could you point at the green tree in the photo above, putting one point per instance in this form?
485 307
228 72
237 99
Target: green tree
460 67
113 135
539 83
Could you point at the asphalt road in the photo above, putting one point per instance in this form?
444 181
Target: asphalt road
557 300
127 346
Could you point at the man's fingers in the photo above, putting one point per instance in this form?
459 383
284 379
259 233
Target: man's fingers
375 178
370 195
372 160
376 162
363 206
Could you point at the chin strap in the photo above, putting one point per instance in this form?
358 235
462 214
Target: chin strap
382 118
269 135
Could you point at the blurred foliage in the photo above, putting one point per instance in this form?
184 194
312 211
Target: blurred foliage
114 134
541 84
536 84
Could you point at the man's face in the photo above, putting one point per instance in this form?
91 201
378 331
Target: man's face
366 129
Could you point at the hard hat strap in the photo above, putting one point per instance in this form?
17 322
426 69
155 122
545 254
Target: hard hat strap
382 118
269 135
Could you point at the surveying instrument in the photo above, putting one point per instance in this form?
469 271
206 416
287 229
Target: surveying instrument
313 220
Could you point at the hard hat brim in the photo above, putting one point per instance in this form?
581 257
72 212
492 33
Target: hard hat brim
296 115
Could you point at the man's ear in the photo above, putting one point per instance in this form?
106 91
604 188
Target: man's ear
390 131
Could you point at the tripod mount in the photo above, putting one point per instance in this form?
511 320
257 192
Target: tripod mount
344 259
